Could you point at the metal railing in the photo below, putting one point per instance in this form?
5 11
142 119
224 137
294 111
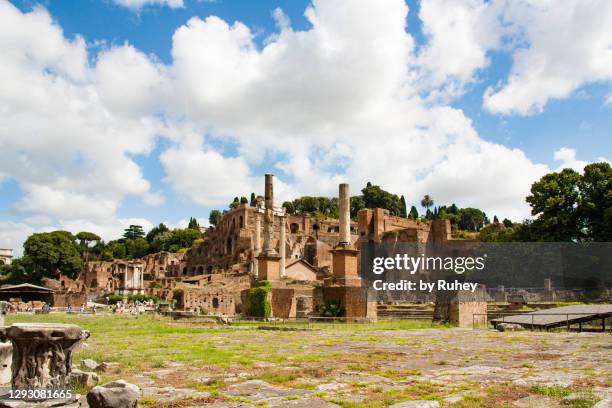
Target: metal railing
568 322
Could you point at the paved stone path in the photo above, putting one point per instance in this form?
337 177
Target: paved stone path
404 368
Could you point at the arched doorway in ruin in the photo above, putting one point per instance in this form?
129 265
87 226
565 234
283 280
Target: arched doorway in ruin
310 250
229 246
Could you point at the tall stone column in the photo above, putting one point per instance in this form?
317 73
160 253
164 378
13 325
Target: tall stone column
268 260
344 256
345 215
125 280
142 279
268 249
282 244
344 287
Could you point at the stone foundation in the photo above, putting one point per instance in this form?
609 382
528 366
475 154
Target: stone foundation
353 301
459 307
268 267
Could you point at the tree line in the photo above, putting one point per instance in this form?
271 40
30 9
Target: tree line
49 254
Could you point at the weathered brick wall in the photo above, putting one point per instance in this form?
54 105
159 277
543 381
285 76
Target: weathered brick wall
65 299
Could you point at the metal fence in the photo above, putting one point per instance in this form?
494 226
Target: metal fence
567 320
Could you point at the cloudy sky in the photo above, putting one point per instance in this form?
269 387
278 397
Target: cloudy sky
141 111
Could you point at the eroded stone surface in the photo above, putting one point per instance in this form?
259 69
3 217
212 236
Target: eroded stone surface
329 367
258 390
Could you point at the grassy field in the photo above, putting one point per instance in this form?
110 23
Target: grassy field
351 365
144 342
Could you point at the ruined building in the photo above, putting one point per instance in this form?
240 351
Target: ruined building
309 261
6 256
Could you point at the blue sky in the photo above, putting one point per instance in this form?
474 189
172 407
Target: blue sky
170 113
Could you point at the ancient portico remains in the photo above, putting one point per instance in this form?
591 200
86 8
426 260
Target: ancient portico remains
6 256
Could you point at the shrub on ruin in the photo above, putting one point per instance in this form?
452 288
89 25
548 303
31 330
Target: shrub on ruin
142 298
331 309
114 299
259 305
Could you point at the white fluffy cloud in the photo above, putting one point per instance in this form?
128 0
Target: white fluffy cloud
567 158
64 138
138 4
349 99
459 33
556 47
563 45
13 234
339 102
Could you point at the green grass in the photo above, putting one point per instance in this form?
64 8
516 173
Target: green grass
550 391
145 343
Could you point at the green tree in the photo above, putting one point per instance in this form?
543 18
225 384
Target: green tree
184 237
137 247
554 200
235 203
376 197
52 254
357 204
471 219
214 217
244 200
162 241
115 250
85 238
595 207
427 202
133 232
289 207
17 272
253 202
193 224
403 208
155 231
414 214
495 219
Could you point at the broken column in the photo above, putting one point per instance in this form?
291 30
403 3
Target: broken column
42 353
549 292
344 287
268 267
281 245
344 205
344 264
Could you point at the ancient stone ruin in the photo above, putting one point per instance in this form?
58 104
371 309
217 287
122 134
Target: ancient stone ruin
42 353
